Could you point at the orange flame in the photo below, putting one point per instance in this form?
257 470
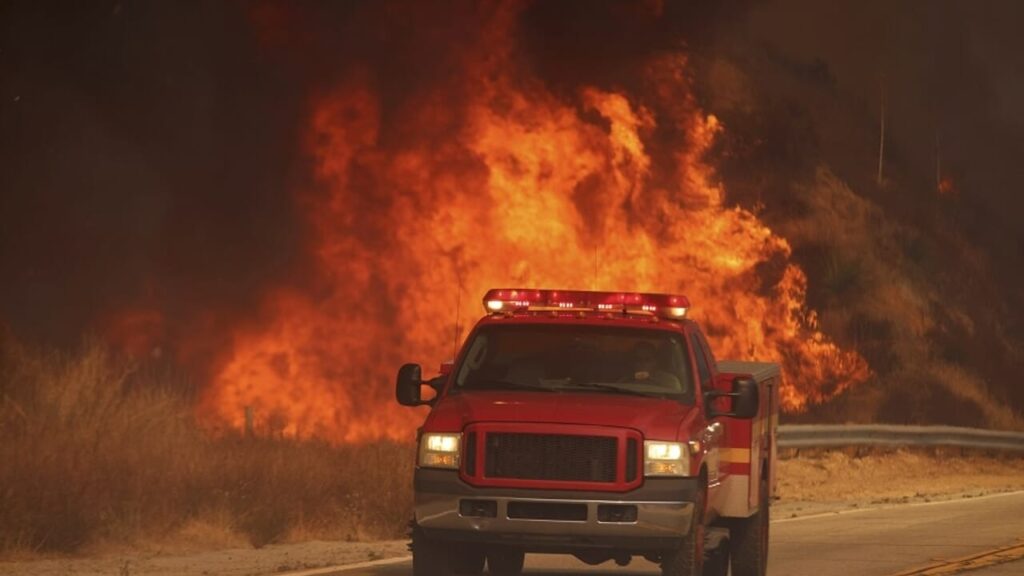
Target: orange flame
418 211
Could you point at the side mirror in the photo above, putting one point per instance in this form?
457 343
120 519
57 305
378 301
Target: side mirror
407 385
744 399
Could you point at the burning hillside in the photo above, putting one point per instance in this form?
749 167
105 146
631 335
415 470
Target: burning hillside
284 201
417 209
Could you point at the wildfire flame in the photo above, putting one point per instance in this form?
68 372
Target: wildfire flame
417 211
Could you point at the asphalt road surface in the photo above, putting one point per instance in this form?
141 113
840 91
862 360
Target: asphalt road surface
983 535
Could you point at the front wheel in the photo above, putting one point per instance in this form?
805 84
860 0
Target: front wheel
688 559
505 561
749 538
465 562
429 558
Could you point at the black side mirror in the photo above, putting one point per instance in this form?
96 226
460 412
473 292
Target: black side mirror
744 399
407 385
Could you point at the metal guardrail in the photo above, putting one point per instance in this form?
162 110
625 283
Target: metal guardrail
843 435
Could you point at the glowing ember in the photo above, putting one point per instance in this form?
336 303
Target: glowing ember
418 211
946 186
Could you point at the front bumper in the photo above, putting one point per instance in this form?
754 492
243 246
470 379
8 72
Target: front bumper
664 514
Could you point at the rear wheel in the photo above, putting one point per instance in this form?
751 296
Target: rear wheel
749 539
716 561
505 561
688 559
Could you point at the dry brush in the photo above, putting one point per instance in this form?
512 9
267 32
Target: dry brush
97 448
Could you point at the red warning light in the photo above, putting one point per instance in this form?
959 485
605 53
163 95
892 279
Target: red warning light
508 300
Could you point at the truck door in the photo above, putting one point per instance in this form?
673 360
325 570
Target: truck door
713 433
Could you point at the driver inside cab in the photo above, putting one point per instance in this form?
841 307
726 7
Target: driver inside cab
646 368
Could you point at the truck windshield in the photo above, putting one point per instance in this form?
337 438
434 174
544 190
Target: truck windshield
596 359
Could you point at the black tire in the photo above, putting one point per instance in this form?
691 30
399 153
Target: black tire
716 562
463 560
688 559
749 539
505 561
429 558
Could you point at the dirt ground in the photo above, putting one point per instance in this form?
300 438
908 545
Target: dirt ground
808 483
235 561
824 481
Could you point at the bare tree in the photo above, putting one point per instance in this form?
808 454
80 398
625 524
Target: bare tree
881 137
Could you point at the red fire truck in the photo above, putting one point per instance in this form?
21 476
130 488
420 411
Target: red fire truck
597 424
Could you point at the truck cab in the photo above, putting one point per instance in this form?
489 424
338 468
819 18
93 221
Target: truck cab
597 424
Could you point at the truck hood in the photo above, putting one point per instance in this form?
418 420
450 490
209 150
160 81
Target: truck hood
654 418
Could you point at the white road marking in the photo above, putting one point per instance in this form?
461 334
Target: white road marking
346 567
400 559
897 505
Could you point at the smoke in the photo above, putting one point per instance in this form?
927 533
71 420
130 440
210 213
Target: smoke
949 74
146 150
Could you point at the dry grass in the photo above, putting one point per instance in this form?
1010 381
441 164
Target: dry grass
871 476
97 449
936 356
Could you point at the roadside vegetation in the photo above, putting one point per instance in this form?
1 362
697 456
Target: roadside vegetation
939 353
101 449
98 450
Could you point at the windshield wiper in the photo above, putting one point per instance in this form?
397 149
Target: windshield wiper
506 385
605 388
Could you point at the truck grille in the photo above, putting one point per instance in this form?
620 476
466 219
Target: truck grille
550 457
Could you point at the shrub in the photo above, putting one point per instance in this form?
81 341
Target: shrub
97 447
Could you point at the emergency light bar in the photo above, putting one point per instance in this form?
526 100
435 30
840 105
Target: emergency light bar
503 300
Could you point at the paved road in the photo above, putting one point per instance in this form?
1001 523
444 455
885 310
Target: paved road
878 542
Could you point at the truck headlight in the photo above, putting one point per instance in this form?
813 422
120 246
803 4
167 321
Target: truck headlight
440 450
666 459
